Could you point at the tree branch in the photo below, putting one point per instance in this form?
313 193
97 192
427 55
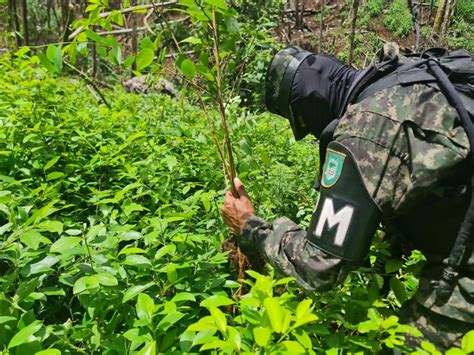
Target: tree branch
90 82
124 11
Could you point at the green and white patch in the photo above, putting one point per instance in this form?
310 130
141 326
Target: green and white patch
332 167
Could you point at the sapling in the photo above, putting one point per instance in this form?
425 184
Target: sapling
217 27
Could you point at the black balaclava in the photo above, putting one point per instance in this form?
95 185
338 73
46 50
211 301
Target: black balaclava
319 88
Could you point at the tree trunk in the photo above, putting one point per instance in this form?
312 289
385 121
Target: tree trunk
297 14
134 44
65 18
15 23
439 16
355 8
25 22
322 7
416 24
448 15
94 60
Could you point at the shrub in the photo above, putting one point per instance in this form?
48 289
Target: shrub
398 18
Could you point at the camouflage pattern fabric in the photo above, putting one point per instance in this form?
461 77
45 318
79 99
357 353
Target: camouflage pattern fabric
407 143
284 245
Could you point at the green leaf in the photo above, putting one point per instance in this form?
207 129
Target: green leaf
203 324
138 336
134 259
219 319
133 291
171 162
192 40
206 203
234 338
106 279
33 238
43 265
56 57
183 296
367 326
144 58
128 62
455 351
54 175
274 313
303 308
146 43
6 319
145 307
50 163
25 335
390 322
51 52
131 251
398 289
85 283
117 53
294 347
429 347
167 249
393 265
468 342
51 351
262 336
216 301
64 244
188 68
95 37
305 319
214 343
26 288
46 63
169 320
52 226
218 3
148 349
303 338
133 207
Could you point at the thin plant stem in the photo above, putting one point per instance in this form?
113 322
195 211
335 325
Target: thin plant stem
220 101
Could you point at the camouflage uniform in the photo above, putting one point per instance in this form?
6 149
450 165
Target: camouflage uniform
411 156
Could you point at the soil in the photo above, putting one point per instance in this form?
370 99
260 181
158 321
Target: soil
306 32
239 260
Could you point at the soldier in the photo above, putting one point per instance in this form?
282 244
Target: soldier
394 153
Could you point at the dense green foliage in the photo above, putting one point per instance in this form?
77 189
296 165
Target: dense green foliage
111 233
399 19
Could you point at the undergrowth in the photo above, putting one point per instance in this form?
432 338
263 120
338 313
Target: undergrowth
398 18
110 232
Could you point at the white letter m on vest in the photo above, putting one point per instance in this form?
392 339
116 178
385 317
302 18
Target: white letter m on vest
342 219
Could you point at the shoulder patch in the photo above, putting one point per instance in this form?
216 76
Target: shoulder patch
332 167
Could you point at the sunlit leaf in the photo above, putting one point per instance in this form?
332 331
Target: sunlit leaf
25 335
144 58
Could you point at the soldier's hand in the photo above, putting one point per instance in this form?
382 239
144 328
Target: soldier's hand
237 209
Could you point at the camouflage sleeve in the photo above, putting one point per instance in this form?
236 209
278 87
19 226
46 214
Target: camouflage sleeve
284 245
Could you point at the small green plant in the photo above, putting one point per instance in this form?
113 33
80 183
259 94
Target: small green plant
266 321
398 18
374 7
465 10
